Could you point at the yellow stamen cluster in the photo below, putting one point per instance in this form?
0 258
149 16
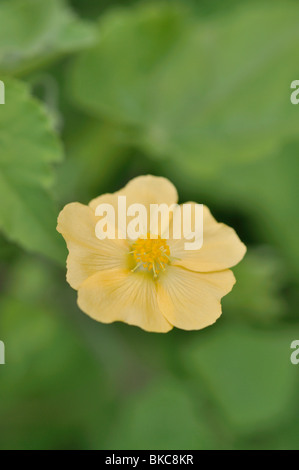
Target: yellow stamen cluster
152 254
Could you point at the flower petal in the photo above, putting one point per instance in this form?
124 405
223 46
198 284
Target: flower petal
190 300
107 198
221 247
145 190
150 189
120 295
87 254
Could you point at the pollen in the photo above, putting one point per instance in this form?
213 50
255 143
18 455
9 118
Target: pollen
152 254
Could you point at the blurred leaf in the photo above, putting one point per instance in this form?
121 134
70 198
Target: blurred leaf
133 44
35 30
283 437
188 89
287 437
28 147
94 158
92 9
247 372
263 273
30 280
51 388
160 417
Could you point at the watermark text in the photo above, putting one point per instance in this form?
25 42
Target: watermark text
2 353
295 93
184 222
295 354
2 93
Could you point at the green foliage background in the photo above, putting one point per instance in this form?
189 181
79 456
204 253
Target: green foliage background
98 92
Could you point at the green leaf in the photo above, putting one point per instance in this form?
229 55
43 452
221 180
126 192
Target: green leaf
160 417
247 372
96 154
263 273
52 388
213 91
28 148
34 30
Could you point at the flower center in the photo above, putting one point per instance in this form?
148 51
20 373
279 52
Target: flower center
152 254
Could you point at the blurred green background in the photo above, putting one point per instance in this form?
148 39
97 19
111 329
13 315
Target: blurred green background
98 92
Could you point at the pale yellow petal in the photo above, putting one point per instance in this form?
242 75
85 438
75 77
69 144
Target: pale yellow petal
77 222
145 190
190 300
221 247
107 198
87 254
150 189
120 295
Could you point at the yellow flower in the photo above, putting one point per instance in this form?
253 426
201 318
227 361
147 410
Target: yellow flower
151 283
